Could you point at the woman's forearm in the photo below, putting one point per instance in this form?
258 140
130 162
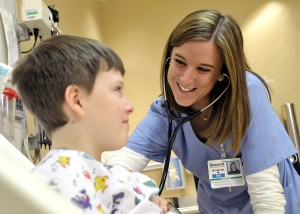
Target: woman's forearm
126 158
266 192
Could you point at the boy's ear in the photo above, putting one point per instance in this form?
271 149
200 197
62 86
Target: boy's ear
73 94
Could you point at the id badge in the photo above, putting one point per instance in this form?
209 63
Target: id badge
225 173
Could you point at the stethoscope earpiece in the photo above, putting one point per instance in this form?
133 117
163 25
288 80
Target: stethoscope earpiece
222 76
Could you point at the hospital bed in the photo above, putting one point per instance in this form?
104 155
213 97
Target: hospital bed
23 192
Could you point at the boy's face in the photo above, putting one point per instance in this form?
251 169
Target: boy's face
107 111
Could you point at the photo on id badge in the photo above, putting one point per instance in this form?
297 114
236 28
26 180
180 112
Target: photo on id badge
233 167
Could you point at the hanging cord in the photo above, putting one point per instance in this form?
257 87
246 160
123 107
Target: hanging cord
36 35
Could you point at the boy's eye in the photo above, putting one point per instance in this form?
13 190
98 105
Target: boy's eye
119 88
119 91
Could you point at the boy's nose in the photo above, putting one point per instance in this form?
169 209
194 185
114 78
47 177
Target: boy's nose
129 107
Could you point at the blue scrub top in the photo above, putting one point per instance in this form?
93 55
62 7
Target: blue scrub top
265 144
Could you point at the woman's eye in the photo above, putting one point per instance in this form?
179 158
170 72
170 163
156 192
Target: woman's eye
203 69
180 62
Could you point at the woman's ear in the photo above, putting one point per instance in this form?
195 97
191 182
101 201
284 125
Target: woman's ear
73 94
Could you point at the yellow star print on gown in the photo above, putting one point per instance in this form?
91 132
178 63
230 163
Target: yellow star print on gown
64 161
100 183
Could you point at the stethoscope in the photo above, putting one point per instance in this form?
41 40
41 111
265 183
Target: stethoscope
180 121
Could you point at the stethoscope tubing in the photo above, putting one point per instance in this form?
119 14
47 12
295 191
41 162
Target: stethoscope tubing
171 139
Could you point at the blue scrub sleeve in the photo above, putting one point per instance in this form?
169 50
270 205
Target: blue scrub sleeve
150 136
266 142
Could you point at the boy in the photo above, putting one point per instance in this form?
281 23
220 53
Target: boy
74 87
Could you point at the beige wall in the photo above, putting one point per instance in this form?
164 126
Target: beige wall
137 31
78 17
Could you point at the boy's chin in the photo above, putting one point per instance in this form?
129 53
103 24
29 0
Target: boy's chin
119 145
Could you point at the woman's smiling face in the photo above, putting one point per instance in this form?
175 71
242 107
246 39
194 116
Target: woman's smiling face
194 69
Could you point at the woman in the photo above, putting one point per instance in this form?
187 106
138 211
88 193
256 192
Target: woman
204 68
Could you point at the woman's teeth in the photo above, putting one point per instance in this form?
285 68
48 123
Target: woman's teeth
185 89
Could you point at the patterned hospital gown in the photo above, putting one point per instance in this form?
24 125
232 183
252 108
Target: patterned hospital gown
96 188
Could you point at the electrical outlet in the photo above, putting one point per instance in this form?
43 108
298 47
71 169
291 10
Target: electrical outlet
24 33
19 109
33 143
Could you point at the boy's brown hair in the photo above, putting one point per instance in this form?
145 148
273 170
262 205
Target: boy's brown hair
43 75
